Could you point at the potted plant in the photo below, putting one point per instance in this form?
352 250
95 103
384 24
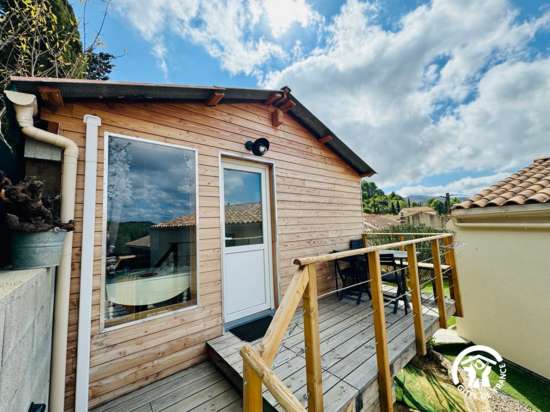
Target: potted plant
37 234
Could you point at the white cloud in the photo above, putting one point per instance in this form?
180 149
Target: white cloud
454 87
387 93
283 13
465 186
229 30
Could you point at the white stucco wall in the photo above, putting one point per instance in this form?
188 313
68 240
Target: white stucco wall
505 282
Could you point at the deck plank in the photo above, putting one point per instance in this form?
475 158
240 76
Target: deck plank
201 387
348 357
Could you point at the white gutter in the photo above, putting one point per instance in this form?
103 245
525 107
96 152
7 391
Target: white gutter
86 265
512 226
25 108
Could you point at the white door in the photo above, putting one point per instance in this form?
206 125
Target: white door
246 226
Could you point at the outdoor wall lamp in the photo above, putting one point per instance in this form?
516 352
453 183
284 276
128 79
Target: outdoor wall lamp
259 146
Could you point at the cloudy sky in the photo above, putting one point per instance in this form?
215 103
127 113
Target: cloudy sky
151 182
436 96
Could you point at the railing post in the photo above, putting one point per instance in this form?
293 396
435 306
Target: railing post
450 258
382 352
312 343
401 239
365 239
416 301
439 291
252 389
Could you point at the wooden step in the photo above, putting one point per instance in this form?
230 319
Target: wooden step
348 357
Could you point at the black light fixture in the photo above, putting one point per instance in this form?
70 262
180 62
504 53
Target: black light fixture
259 146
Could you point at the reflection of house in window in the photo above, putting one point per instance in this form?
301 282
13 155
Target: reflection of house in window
150 266
174 238
243 224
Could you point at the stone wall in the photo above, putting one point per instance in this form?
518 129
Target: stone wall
26 320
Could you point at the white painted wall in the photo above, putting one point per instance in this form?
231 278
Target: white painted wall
505 281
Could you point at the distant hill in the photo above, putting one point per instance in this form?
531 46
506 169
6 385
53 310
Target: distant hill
419 198
424 198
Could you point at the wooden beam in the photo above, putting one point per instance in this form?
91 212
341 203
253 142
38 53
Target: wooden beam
382 352
274 97
356 252
215 98
325 139
416 301
439 291
252 387
454 284
281 392
53 127
51 96
287 105
312 343
283 316
277 117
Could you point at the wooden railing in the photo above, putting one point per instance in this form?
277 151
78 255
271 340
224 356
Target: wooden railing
257 365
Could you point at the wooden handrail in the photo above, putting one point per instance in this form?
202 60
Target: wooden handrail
303 286
355 252
381 338
454 286
439 290
256 366
416 300
405 233
286 398
284 314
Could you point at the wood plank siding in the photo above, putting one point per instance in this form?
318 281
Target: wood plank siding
318 209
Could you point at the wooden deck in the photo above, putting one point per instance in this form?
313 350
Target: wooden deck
199 388
348 352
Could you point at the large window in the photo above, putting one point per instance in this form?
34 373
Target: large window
151 251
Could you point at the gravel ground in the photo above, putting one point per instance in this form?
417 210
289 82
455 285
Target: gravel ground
500 402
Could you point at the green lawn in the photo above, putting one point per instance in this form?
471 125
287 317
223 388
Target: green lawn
424 388
520 385
428 290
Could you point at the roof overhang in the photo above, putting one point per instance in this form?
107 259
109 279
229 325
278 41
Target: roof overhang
74 89
533 210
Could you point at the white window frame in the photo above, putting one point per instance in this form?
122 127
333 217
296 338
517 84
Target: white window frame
106 138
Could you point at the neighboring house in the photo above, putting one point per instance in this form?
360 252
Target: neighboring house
373 222
422 215
181 207
502 249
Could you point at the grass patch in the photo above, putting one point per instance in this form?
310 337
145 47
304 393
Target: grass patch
425 388
519 384
428 290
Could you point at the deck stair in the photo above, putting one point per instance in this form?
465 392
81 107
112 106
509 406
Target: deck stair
348 357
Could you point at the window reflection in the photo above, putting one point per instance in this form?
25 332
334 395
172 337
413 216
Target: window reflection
151 226
243 208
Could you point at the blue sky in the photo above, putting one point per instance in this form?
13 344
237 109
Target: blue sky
436 95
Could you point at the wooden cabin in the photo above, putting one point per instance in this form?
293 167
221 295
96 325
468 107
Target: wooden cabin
197 220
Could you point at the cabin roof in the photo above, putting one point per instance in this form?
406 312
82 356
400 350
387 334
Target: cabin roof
76 89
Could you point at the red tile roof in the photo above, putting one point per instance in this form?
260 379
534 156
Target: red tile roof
234 214
243 213
529 185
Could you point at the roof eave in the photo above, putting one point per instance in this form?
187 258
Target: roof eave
74 89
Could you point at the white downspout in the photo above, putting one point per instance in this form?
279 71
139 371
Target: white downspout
86 265
25 108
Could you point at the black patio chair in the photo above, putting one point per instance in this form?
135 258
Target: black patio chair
395 277
351 271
